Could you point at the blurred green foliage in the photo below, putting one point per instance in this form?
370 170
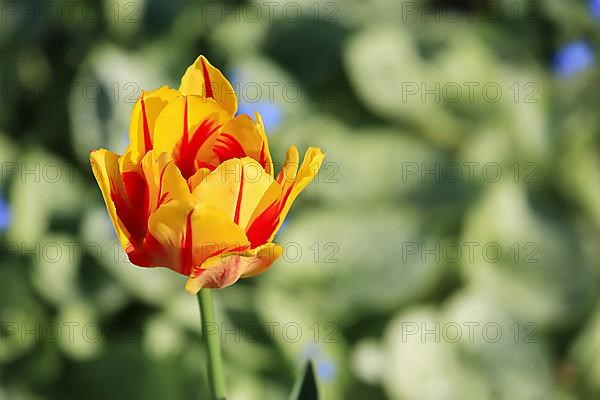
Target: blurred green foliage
378 284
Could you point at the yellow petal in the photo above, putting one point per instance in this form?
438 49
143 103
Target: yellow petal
262 259
224 270
289 169
185 235
143 118
164 180
202 79
260 126
236 187
197 178
105 166
187 128
168 226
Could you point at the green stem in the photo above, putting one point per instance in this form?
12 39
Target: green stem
210 337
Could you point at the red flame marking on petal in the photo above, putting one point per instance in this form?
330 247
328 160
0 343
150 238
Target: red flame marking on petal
228 147
187 246
188 150
147 138
238 205
263 226
207 84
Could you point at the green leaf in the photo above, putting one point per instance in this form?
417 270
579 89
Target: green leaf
306 386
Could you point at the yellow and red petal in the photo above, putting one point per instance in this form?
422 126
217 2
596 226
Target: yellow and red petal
272 209
311 164
224 270
105 166
236 187
126 191
243 137
164 180
187 129
265 154
289 169
202 79
143 118
183 235
262 258
265 218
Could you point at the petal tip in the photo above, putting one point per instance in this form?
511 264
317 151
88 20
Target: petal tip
192 286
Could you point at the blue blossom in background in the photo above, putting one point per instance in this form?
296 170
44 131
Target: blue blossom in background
326 369
324 366
5 214
594 6
270 113
269 110
573 58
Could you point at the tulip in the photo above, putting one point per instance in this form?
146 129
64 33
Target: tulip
196 191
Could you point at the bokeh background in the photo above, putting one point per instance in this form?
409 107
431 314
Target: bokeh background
448 250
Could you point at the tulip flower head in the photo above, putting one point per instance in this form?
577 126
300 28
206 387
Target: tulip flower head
196 189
